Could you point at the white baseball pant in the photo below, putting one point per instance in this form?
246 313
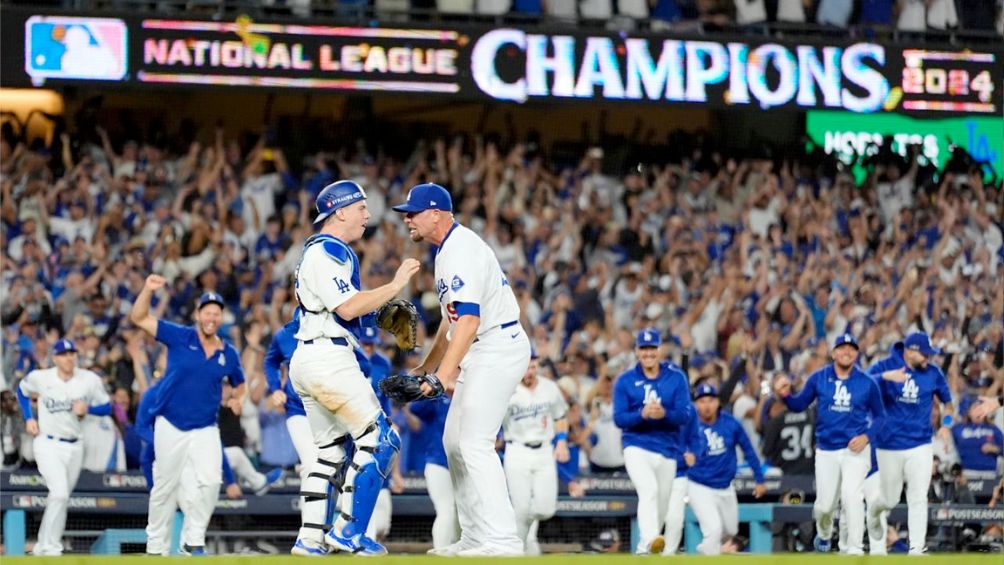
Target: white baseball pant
717 512
489 374
532 476
446 528
840 477
913 467
875 526
675 514
303 442
339 401
244 469
187 474
59 464
652 475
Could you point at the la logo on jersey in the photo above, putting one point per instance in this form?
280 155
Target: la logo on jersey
651 395
910 392
841 398
716 445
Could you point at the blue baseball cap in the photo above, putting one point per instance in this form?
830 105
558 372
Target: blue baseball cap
424 197
369 335
845 339
64 346
648 337
921 343
210 297
337 195
705 390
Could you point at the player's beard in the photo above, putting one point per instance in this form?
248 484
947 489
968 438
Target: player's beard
843 368
415 237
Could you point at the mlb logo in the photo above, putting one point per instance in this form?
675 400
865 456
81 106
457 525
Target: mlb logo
75 48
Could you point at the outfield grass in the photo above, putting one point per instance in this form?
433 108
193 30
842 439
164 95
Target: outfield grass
610 559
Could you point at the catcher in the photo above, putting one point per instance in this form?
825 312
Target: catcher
400 318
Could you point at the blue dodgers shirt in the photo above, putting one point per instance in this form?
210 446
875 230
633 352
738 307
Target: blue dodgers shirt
969 441
846 407
192 387
379 370
432 413
908 405
716 461
280 351
633 390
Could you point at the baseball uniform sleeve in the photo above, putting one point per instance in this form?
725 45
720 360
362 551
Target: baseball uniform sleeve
464 280
170 333
25 388
799 402
273 363
235 375
679 409
877 408
751 457
624 417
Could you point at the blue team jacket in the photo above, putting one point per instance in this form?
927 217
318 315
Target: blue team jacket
716 461
908 404
845 407
633 390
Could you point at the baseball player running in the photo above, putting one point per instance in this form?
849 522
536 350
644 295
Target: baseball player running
848 402
66 394
480 352
337 397
651 403
535 418
710 477
186 437
909 383
432 413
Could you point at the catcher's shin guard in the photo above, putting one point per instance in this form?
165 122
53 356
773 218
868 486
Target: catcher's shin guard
317 491
376 449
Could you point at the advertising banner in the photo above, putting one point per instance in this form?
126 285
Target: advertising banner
504 64
847 135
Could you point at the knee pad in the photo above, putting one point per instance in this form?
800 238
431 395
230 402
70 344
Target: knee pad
376 449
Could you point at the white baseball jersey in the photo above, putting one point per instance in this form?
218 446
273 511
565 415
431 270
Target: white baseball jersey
56 396
324 281
532 413
467 271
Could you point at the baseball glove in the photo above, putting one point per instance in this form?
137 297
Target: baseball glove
408 388
400 318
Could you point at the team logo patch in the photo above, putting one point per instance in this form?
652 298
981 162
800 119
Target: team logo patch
222 361
456 284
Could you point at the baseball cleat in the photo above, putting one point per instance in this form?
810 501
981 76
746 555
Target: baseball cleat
821 545
657 545
192 550
360 545
301 548
270 479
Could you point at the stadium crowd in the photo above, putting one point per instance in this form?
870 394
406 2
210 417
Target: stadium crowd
748 265
866 16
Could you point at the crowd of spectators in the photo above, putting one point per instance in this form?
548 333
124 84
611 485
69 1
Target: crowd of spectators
657 15
749 266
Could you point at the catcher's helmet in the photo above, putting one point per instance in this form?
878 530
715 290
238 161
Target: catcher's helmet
337 195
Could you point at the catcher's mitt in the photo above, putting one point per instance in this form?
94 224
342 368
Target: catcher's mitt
408 388
400 318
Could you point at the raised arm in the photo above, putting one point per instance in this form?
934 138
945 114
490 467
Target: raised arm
140 313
